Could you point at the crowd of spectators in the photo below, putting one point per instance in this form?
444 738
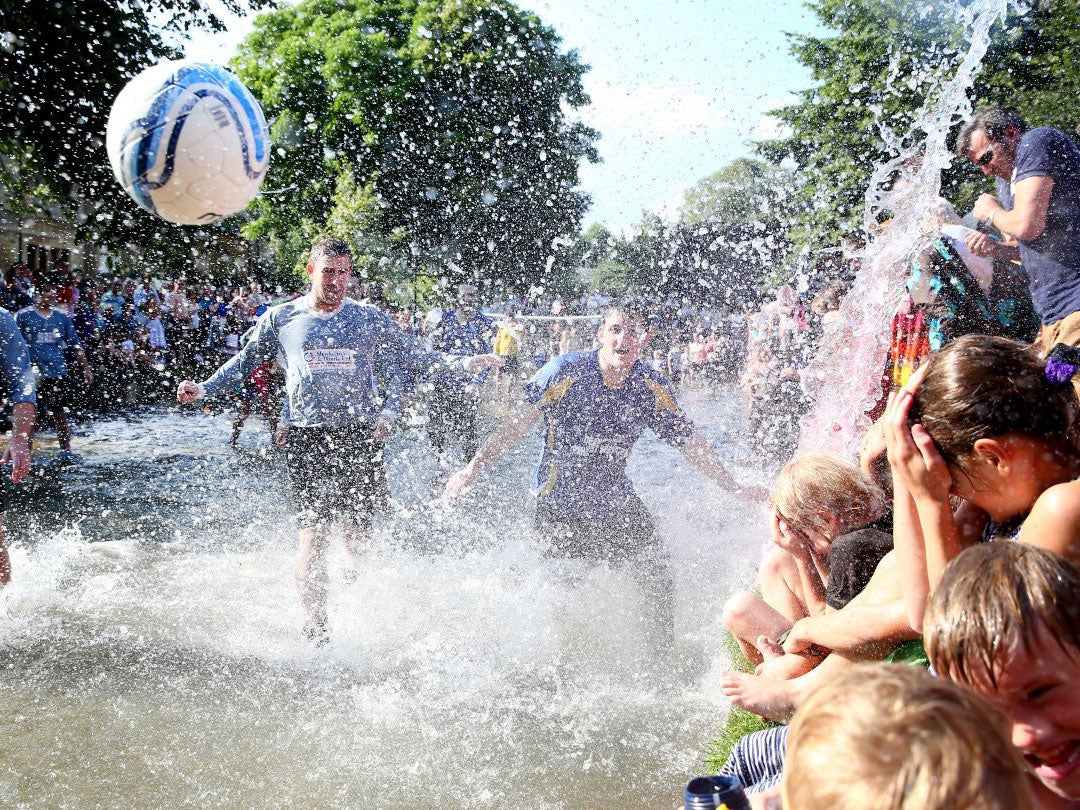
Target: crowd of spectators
137 332
952 544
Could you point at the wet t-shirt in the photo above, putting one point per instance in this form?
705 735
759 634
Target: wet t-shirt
18 379
47 338
1051 260
590 429
341 368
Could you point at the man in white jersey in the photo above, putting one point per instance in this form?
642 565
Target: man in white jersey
344 372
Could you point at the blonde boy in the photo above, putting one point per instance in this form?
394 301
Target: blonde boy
892 737
815 499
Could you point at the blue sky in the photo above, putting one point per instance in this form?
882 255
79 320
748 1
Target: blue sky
678 88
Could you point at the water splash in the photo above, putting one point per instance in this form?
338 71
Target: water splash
844 378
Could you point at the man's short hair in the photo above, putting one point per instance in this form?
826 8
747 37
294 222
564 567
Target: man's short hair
993 597
893 737
331 246
631 307
991 120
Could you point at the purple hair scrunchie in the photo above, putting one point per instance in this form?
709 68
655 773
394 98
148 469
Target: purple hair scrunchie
1058 372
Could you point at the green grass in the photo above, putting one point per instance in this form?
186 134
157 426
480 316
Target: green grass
739 722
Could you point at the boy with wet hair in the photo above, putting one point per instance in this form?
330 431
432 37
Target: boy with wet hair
1004 620
892 737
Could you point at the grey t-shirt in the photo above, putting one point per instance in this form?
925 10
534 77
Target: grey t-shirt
341 368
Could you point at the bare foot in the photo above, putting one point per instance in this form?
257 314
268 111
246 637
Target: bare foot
786 667
765 697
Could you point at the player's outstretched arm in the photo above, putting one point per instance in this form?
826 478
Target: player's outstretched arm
509 433
698 452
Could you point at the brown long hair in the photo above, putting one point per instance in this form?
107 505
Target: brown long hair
979 387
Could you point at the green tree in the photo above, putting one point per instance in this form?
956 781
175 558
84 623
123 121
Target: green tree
61 64
873 71
451 114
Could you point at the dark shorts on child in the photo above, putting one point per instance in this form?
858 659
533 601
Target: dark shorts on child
54 393
853 558
335 475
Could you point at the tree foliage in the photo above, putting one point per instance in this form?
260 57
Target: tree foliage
61 64
873 73
448 118
874 70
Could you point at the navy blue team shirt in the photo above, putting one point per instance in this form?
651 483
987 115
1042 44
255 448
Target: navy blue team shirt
590 429
1051 260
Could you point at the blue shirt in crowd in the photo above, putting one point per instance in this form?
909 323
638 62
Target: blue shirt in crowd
47 339
341 368
590 429
463 338
15 361
1052 259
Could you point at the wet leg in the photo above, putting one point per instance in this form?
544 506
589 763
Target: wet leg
311 579
747 616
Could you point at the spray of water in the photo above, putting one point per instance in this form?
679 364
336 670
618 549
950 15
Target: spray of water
844 378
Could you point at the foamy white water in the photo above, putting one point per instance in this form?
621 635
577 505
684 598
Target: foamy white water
150 653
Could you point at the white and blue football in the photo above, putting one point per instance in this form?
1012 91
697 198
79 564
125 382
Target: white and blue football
188 142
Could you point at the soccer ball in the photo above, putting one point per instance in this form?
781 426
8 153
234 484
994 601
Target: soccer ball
188 142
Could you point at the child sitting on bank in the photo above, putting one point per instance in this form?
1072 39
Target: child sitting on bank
890 737
985 420
865 620
816 500
1004 621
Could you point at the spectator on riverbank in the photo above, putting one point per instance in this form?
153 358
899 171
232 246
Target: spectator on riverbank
1037 209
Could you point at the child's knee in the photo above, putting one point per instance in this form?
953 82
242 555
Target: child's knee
740 609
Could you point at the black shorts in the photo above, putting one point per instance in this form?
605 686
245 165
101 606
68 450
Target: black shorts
627 534
335 474
853 558
54 394
510 364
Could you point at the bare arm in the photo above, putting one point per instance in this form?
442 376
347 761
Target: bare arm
18 450
875 620
911 554
509 433
698 452
1054 522
1027 219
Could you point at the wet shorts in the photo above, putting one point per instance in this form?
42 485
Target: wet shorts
335 475
624 535
54 393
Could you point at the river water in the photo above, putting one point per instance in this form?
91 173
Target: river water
150 652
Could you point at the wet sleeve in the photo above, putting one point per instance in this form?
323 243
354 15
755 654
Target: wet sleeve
534 390
15 362
262 348
1040 154
422 362
392 364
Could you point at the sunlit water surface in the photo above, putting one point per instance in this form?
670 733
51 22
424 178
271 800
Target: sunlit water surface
150 652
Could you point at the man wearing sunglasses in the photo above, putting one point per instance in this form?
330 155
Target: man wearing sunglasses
1036 211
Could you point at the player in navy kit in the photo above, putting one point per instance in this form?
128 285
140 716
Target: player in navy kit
595 405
